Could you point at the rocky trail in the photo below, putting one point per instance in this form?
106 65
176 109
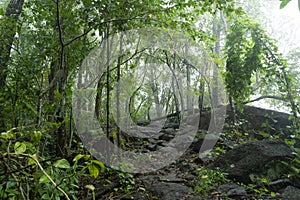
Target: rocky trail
254 165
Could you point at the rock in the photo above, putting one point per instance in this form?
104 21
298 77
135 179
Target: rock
190 178
143 122
166 137
237 192
291 193
169 191
251 158
275 123
172 125
158 135
187 167
168 131
152 147
196 145
136 196
171 178
232 190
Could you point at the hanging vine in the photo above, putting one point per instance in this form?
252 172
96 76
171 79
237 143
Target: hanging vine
250 50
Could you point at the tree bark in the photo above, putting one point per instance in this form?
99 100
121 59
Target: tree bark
7 36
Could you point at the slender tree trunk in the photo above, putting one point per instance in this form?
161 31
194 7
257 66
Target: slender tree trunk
62 81
7 36
215 85
118 91
189 100
175 84
155 94
98 100
200 100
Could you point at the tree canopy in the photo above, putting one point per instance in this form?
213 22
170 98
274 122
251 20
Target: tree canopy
43 51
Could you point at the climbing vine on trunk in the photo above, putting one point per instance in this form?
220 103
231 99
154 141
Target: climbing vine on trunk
249 51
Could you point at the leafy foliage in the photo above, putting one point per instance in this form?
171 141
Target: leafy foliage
27 174
42 156
208 180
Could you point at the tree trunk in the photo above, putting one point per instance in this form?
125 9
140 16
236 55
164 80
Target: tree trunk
201 100
62 81
7 36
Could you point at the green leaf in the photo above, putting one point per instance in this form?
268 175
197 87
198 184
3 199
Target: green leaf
299 5
284 3
45 196
12 192
19 147
31 162
62 163
94 170
100 164
7 135
44 179
30 148
36 136
79 156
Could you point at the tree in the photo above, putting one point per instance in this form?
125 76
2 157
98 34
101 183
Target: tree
8 31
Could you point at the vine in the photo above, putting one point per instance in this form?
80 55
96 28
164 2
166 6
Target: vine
250 50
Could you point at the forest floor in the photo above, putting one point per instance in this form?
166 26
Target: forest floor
189 177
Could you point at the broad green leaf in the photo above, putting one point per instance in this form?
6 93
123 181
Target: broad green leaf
79 156
100 164
12 192
62 163
284 3
299 5
31 162
10 184
44 179
7 135
30 148
94 170
19 147
45 196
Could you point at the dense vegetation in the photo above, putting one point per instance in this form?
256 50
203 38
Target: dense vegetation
43 46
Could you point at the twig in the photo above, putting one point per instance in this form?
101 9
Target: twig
47 175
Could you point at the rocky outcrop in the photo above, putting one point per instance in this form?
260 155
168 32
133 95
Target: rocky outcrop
252 158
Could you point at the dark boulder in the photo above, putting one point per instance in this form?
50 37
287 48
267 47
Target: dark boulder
169 191
232 190
252 158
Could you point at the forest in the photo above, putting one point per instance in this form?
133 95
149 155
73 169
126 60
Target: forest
139 99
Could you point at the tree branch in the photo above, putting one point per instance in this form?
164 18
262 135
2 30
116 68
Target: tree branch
47 175
116 20
266 97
